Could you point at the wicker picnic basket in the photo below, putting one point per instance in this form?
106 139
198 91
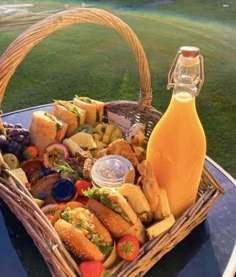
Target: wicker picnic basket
20 201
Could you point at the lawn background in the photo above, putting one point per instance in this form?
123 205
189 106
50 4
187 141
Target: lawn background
94 61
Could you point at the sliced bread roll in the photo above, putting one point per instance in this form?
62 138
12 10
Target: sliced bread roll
69 113
76 242
84 234
45 128
112 220
137 200
115 212
94 109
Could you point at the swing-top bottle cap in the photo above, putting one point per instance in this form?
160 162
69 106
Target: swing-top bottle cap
189 51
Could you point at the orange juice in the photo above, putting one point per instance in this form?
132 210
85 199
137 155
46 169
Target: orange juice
176 151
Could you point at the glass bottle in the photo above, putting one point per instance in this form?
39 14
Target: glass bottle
177 145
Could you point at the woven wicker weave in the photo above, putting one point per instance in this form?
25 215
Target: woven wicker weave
19 200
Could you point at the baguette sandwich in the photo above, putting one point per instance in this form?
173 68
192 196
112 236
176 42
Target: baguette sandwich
93 108
84 235
69 113
115 213
45 128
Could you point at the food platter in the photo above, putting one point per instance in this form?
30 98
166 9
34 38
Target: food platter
164 237
121 115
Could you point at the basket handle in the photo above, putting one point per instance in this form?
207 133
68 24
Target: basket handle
19 48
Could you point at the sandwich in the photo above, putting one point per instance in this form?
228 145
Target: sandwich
115 213
60 208
69 113
149 186
84 235
94 109
158 201
45 128
137 200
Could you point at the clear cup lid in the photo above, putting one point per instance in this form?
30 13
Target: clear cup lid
110 170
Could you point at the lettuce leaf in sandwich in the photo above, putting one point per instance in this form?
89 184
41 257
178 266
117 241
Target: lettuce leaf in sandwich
109 198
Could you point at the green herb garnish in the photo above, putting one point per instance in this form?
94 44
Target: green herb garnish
71 108
53 118
84 99
64 167
67 215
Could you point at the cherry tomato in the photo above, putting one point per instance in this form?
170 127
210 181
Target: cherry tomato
49 217
80 186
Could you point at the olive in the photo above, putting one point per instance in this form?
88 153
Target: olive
42 195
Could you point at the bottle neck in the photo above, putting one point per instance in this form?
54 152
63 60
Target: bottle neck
184 92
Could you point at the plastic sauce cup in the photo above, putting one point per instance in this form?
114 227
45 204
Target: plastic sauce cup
110 171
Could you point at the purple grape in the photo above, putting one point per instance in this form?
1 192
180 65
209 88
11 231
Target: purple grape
25 132
16 139
19 138
13 133
20 131
19 147
15 148
7 142
3 141
12 145
26 141
9 125
18 125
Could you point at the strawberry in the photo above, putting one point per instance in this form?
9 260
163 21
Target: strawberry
91 269
30 152
127 247
80 186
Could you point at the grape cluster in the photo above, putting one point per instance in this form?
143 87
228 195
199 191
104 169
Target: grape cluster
14 139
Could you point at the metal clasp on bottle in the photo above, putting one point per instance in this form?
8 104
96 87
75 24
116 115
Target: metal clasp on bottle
171 83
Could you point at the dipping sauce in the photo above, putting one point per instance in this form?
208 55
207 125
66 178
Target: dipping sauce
110 170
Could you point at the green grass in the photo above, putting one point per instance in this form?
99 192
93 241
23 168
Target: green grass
94 61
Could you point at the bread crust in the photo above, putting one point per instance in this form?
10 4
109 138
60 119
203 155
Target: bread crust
77 243
91 109
111 259
43 130
117 197
70 204
69 117
101 229
138 231
150 186
111 220
137 200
